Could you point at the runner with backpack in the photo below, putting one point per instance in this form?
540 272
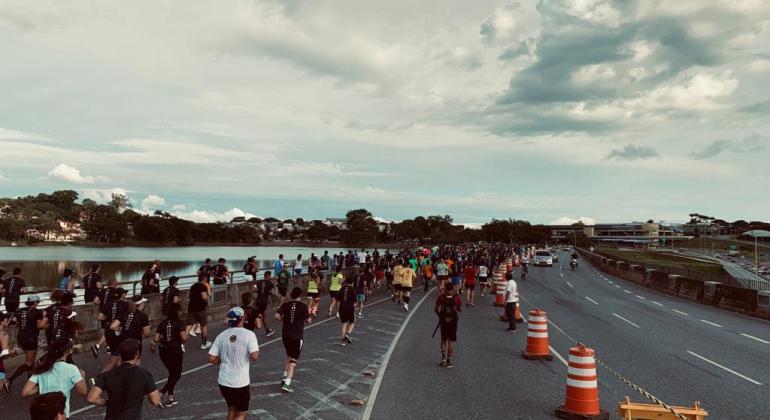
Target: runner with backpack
448 307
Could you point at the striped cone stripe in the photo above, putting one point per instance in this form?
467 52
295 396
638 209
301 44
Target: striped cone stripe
537 337
582 400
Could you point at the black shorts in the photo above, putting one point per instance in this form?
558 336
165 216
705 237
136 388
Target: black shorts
470 286
236 397
293 347
282 291
443 278
406 288
334 294
397 286
27 343
11 307
198 317
483 280
91 294
348 315
312 295
261 308
449 330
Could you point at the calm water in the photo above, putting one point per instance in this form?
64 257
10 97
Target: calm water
43 265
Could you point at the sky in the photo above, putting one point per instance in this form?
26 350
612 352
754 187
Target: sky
551 111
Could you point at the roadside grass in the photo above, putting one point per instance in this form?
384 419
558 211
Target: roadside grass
643 257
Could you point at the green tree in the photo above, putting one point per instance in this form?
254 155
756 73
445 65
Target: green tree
119 202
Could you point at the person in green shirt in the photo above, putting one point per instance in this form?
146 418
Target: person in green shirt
312 292
334 290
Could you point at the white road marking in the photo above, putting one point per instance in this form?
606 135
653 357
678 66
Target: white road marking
558 356
725 368
640 297
561 274
618 286
627 291
657 303
592 301
610 282
386 358
755 338
680 312
618 316
711 323
570 285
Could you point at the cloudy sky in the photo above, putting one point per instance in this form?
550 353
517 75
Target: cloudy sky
544 110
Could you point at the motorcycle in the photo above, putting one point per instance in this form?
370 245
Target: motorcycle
573 264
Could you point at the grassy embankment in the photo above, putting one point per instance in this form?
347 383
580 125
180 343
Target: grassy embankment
652 258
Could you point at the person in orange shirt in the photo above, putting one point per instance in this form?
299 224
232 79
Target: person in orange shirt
469 280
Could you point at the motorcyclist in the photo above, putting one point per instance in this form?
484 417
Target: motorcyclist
574 260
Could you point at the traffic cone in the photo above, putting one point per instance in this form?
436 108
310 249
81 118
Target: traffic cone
582 401
537 337
500 286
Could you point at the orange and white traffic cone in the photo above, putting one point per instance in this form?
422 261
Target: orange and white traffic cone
537 337
582 401
500 286
517 312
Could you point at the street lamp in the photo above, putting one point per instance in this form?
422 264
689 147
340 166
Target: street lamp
757 234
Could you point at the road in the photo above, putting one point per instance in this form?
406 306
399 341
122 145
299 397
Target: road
678 350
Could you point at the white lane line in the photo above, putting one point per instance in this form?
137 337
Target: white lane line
657 303
618 316
570 285
610 282
755 338
201 367
627 291
618 286
640 297
725 368
386 358
680 312
592 301
558 356
561 274
711 323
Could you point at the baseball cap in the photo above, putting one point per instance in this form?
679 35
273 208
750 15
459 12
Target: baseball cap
234 315
138 299
120 291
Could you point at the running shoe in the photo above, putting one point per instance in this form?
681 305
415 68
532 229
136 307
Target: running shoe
344 343
95 351
206 346
286 388
347 338
192 333
449 364
170 402
360 315
269 332
442 363
406 307
7 387
91 381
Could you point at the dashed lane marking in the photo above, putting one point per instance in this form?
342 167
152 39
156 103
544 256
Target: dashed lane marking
657 303
725 368
711 323
570 284
680 312
610 282
592 301
618 286
640 297
627 291
755 338
618 316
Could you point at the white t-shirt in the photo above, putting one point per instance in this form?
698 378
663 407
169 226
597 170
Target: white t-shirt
62 377
510 289
233 347
482 271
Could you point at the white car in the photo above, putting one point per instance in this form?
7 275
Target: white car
543 257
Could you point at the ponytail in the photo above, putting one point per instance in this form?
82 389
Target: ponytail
55 352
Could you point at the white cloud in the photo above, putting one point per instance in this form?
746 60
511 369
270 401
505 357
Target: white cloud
153 201
204 216
66 173
2 178
102 196
6 134
571 220
179 207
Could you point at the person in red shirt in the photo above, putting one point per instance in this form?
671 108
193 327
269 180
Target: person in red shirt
448 307
469 280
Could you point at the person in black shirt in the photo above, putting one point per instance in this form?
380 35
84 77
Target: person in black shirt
264 290
106 296
116 308
250 313
205 269
171 336
48 406
347 310
294 315
92 282
66 331
13 287
170 296
30 321
151 279
54 313
250 269
220 272
134 323
196 309
126 385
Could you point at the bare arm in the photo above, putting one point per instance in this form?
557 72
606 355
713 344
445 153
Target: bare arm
254 355
146 331
81 388
95 397
278 316
115 325
30 388
214 360
156 338
183 336
154 398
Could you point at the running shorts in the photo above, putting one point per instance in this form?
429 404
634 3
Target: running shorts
113 341
27 343
282 291
443 278
470 286
334 294
293 347
312 295
449 330
361 297
397 287
405 288
348 315
483 280
261 308
199 317
236 397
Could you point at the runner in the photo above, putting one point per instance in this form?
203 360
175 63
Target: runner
250 313
151 280
408 276
283 283
205 269
427 273
347 313
220 273
264 290
13 287
233 349
92 282
313 293
470 284
171 336
294 315
298 265
448 307
334 289
511 299
116 308
379 275
133 324
442 273
106 296
29 321
54 374
360 287
483 277
170 298
196 310
251 268
397 273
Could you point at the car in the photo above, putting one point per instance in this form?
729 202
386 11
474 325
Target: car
555 255
543 258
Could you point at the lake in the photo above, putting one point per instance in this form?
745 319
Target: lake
43 266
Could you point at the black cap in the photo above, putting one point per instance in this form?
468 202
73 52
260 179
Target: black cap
208 260
120 291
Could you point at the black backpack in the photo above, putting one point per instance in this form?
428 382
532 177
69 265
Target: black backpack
448 310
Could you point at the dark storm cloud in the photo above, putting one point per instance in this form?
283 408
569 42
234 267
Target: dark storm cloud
631 152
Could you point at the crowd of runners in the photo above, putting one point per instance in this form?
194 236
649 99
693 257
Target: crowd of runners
455 271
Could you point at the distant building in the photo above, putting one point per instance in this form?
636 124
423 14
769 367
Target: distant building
340 223
68 232
636 233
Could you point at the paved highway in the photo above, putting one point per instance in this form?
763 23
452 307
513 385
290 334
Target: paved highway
678 350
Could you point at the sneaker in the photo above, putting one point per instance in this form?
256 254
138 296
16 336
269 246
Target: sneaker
269 332
170 402
286 387
91 381
338 315
360 315
344 343
442 363
406 307
183 349
206 346
510 330
192 333
347 338
7 387
198 330
95 351
449 364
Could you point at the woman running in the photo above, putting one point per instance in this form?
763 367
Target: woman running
312 292
171 336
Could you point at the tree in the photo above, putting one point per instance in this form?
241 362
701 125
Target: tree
119 202
238 219
255 220
362 228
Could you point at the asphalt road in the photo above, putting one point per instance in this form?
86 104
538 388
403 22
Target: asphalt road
678 350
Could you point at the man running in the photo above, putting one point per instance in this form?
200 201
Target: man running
295 315
264 290
408 276
483 277
115 308
334 290
397 273
92 282
196 310
448 307
442 273
233 349
347 296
